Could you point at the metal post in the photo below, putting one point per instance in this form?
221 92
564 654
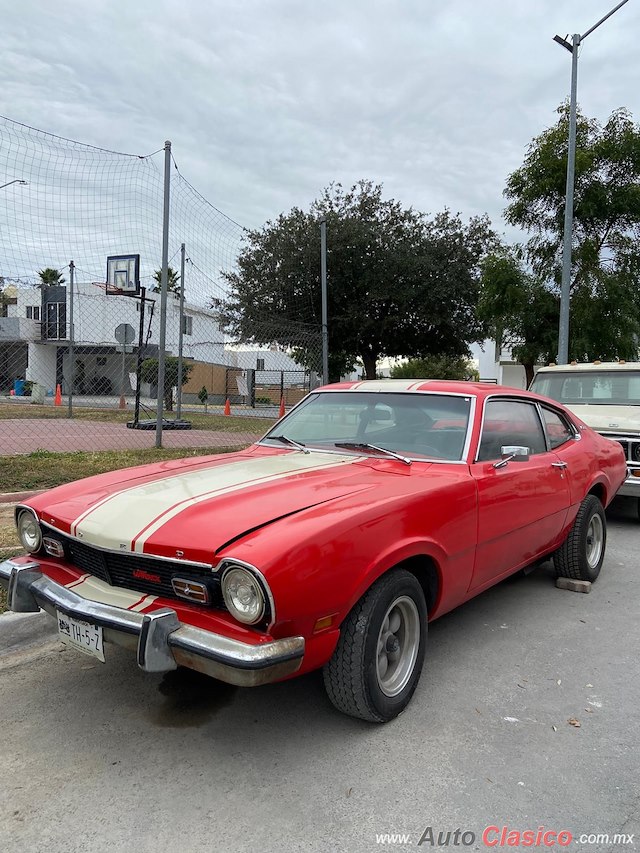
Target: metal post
181 332
163 292
72 364
565 292
323 281
136 413
122 373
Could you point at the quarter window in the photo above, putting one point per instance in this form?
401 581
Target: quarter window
558 430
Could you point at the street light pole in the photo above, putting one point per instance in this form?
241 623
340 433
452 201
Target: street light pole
565 290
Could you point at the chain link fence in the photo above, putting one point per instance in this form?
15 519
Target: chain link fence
78 358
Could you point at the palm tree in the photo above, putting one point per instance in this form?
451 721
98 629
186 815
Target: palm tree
173 281
50 276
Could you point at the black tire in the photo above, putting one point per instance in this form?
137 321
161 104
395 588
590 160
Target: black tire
581 555
356 678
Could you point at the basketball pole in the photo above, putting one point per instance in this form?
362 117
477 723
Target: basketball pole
72 366
180 332
163 292
136 413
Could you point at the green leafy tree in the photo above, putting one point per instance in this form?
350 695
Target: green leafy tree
435 367
399 283
518 310
173 281
149 373
50 276
203 396
605 301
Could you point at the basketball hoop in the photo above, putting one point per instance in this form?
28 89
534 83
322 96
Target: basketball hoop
123 275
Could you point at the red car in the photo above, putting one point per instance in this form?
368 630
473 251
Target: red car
369 509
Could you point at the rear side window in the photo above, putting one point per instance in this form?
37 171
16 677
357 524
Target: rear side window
557 428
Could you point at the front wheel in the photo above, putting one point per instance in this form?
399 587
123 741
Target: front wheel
376 665
581 555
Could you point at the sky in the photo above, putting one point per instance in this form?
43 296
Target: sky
266 102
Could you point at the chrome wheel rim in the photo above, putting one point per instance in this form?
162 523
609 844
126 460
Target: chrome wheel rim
398 644
595 541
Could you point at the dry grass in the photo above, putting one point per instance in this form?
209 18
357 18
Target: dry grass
44 470
9 544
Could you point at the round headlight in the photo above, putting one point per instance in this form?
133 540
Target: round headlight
29 531
243 595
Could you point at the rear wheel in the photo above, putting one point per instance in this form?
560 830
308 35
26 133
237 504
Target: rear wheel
581 555
376 665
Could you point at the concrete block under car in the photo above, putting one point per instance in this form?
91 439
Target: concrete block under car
573 585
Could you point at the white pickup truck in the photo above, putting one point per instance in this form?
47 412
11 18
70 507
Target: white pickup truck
606 396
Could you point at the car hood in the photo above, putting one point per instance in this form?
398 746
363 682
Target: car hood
193 513
614 419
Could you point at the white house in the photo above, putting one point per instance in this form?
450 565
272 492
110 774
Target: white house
35 336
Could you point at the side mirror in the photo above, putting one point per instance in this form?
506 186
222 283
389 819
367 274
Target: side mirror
512 452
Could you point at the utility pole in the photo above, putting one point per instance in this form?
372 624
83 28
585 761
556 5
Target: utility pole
181 332
163 292
323 281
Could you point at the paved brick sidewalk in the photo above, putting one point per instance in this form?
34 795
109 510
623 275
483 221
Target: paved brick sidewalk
24 436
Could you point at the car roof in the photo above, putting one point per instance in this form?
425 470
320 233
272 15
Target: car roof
595 365
442 386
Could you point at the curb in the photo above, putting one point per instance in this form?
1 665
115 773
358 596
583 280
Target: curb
16 497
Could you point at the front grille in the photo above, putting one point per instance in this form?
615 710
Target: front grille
119 569
630 445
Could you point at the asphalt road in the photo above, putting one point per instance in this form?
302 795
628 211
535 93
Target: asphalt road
106 758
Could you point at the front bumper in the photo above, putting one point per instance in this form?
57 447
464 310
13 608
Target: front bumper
631 486
160 640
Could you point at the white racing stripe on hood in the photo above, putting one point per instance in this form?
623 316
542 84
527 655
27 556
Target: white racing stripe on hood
134 514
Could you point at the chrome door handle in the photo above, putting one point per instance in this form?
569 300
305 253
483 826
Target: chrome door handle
559 465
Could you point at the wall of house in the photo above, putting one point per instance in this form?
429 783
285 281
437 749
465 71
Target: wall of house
42 365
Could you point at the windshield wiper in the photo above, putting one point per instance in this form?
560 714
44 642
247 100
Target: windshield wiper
357 445
290 441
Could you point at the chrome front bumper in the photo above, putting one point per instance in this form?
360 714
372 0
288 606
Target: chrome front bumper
161 641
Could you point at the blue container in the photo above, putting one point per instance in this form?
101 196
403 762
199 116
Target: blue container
18 387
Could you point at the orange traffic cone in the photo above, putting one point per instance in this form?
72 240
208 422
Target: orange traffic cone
57 400
281 412
227 407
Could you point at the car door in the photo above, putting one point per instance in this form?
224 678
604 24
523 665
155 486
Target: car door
522 505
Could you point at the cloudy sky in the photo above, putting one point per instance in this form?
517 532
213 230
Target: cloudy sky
268 101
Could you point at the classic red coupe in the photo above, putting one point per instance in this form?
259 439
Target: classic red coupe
369 509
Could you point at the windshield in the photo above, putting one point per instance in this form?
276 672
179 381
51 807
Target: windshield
416 425
591 388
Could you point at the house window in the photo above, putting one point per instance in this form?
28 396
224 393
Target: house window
187 325
259 363
33 312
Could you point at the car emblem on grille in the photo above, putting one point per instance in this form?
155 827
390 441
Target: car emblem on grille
191 590
142 575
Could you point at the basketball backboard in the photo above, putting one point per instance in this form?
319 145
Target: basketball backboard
123 274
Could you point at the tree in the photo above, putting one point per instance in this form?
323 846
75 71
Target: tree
149 373
173 281
203 396
435 367
399 283
518 310
605 305
49 277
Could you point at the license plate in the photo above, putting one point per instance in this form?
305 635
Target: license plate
81 635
